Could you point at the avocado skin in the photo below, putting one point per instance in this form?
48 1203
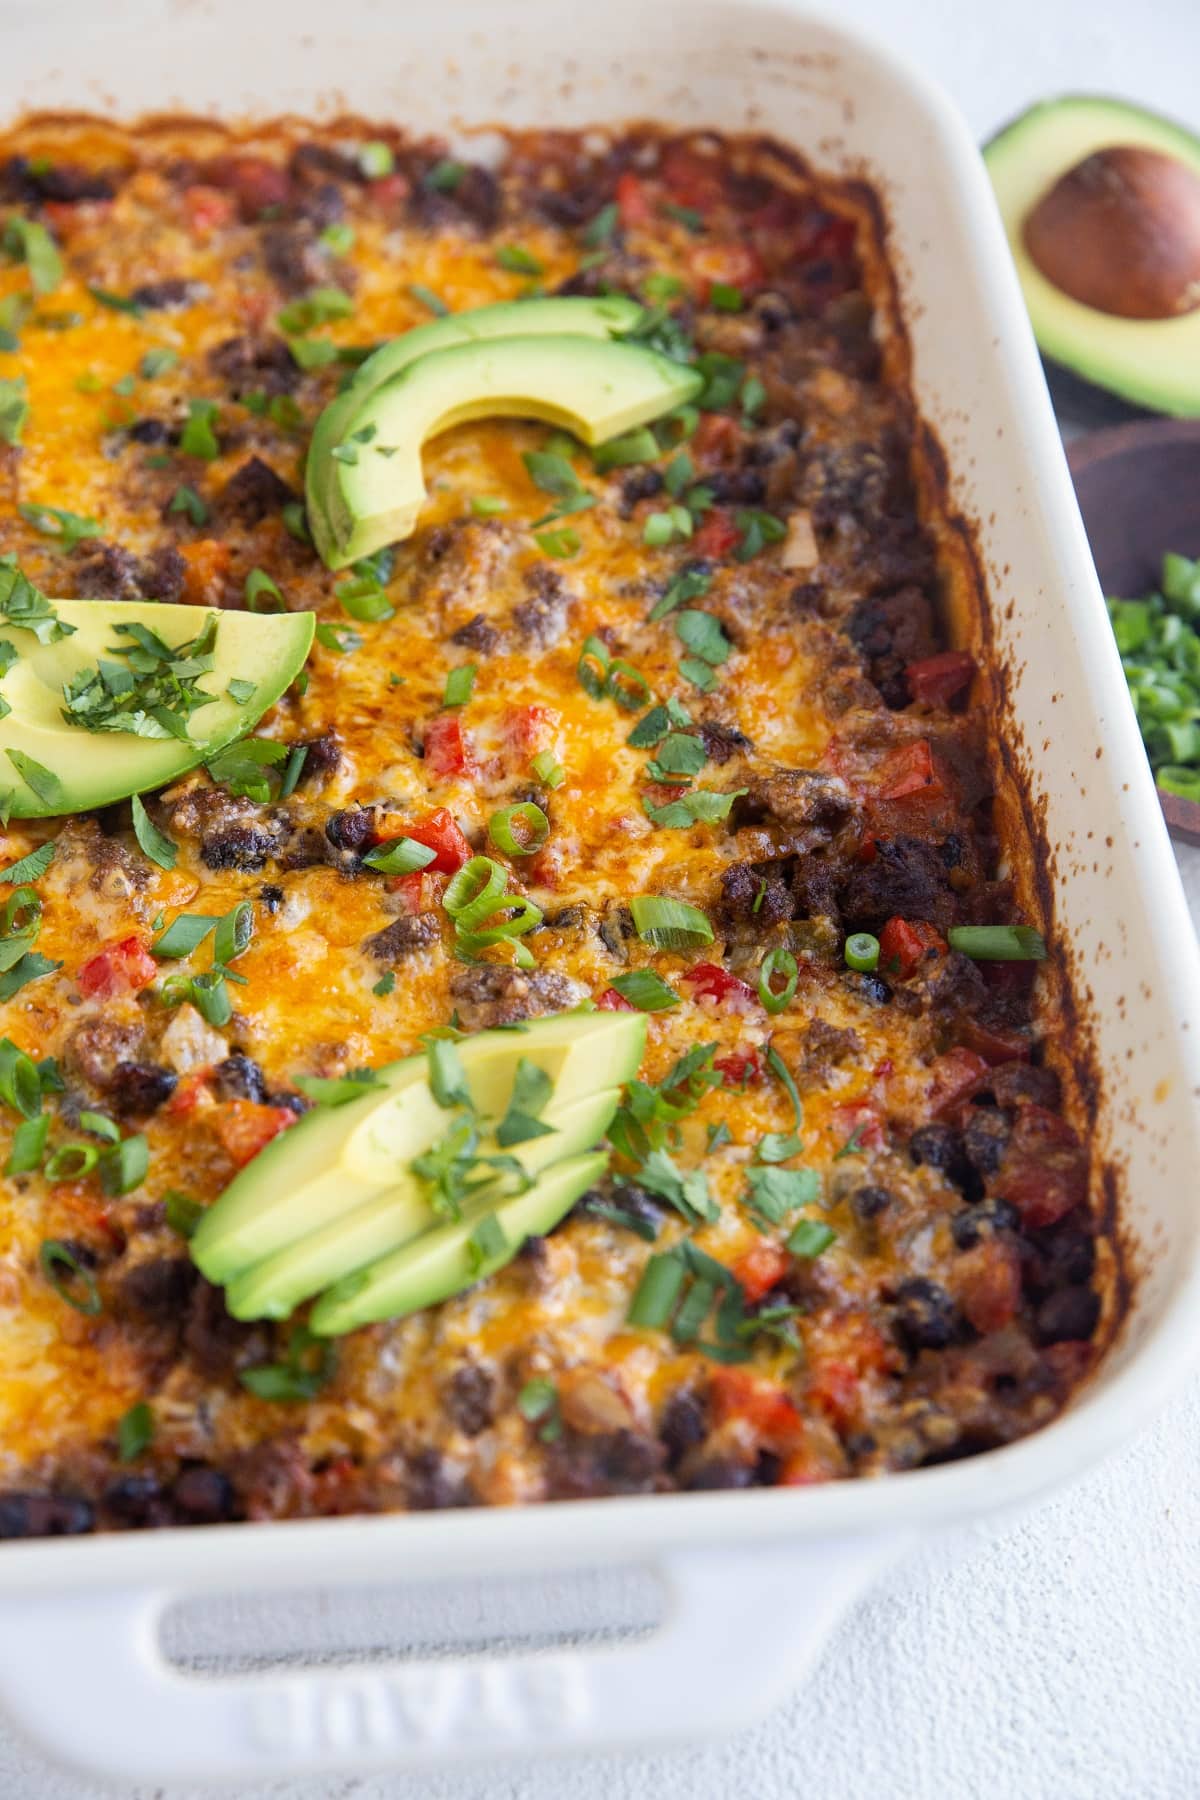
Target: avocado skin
607 317
371 481
1152 364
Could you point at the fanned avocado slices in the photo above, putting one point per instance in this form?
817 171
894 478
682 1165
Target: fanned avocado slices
365 483
444 1138
104 699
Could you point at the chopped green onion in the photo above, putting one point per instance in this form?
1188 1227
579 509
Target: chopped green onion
294 768
365 599
115 302
563 543
124 1167
519 261
135 1432
459 683
338 238
777 964
35 247
234 931
199 437
318 307
260 588
22 915
592 668
809 1238
534 829
185 933
400 856
668 924
725 297
68 1276
547 768
998 943
181 1212
376 160
71 1162
640 446
425 296
628 686
28 1145
210 997
862 952
645 990
657 1292
472 891
300 1377
186 500
487 506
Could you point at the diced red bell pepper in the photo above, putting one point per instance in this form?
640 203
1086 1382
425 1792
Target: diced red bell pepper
257 185
951 1074
858 1122
718 535
733 265
841 1355
611 1001
762 1267
206 209
826 236
633 202
717 435
411 891
439 832
763 1405
691 178
904 944
988 1284
531 728
390 191
909 770
712 982
448 748
937 680
996 1044
1044 1169
123 968
740 1068
245 1127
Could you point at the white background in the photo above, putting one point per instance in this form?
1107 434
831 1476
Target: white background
1053 1659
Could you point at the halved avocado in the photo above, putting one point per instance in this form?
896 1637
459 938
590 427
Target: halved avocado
273 1287
337 1159
371 478
90 769
440 1262
1153 361
607 316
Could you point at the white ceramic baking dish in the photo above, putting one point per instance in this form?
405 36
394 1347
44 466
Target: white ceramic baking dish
755 1579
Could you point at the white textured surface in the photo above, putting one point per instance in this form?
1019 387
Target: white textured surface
1055 1658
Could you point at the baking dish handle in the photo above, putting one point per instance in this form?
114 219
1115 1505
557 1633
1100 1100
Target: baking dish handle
83 1674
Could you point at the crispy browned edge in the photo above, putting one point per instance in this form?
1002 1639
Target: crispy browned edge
966 604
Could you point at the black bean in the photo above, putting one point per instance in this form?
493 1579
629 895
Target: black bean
985 1134
240 1078
140 1088
135 1500
940 1146
150 431
470 1398
872 988
166 296
684 1425
158 1289
44 1515
926 1316
271 896
432 1485
721 1472
202 1496
869 1202
973 1223
1068 1316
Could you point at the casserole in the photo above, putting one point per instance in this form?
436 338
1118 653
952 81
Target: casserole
811 86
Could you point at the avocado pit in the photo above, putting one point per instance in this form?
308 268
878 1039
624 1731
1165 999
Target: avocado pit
1120 232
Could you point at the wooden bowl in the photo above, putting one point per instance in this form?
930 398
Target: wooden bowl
1139 492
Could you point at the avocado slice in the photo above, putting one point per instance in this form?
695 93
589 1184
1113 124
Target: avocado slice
371 478
337 1159
440 1263
86 768
1154 362
607 316
272 1288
